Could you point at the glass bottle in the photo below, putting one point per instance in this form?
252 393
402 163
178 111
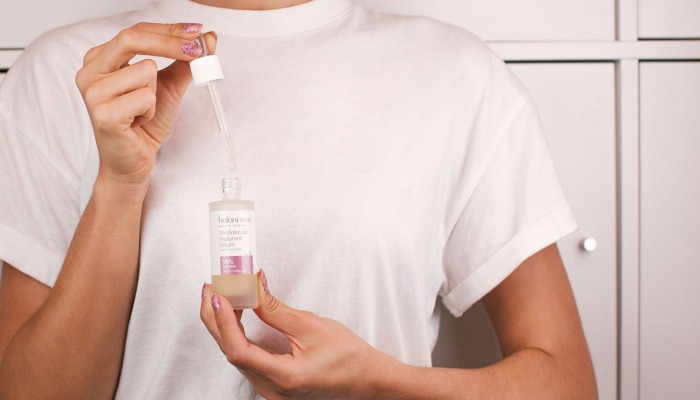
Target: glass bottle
232 242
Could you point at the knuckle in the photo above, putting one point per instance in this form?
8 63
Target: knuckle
139 26
81 79
90 93
292 383
313 321
174 29
125 36
90 54
99 118
150 64
89 98
233 357
150 97
166 41
146 69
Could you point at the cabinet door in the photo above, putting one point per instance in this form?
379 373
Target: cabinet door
22 21
515 20
576 102
666 19
670 229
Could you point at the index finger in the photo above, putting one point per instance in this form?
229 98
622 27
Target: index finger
173 41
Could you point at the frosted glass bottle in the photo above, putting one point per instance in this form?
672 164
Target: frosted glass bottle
232 242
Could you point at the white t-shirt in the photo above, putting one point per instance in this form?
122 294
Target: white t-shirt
392 160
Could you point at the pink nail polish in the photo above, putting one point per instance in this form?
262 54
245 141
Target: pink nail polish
192 28
191 49
263 279
215 303
204 289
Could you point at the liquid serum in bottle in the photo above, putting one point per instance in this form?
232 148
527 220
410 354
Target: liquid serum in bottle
232 238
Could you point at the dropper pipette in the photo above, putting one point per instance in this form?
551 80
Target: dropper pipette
206 70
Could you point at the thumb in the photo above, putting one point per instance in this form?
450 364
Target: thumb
288 320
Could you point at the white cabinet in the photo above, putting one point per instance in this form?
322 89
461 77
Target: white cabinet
576 102
670 230
577 106
22 21
516 20
511 20
665 19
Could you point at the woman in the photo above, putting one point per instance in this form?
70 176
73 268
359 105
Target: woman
393 160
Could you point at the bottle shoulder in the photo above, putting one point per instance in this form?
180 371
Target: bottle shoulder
232 205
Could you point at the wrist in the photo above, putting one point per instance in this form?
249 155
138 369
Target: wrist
118 191
385 377
392 379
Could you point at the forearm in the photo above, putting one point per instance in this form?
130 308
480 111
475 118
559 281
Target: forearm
526 374
73 346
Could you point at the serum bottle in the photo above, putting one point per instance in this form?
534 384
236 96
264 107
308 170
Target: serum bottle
232 241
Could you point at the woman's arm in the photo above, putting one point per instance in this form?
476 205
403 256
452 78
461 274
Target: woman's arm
69 341
538 326
533 311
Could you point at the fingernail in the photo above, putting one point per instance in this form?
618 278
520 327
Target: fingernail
204 289
192 28
215 303
263 279
191 49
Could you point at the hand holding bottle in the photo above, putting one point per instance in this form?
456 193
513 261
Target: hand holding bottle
326 359
133 107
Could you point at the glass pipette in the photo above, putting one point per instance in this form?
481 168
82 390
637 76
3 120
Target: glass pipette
206 70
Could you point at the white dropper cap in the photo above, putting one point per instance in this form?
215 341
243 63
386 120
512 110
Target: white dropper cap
206 68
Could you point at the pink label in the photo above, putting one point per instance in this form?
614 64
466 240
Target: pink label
233 265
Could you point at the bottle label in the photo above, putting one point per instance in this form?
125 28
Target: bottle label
232 242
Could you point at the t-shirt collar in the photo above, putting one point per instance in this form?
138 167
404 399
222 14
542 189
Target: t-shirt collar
281 21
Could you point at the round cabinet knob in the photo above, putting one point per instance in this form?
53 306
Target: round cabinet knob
589 244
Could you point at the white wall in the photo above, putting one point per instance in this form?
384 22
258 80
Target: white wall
23 20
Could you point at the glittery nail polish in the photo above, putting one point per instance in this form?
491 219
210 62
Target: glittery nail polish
191 49
263 279
192 28
215 303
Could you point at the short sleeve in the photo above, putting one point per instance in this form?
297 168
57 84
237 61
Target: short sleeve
516 207
43 136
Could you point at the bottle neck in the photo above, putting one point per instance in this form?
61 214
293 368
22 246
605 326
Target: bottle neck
232 196
231 188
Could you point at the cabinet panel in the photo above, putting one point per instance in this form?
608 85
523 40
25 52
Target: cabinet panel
515 20
22 21
495 20
576 102
669 19
670 229
577 106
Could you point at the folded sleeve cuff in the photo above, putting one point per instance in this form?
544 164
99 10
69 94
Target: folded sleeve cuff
538 235
29 257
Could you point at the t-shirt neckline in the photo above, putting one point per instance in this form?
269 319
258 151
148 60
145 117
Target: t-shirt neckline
276 22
